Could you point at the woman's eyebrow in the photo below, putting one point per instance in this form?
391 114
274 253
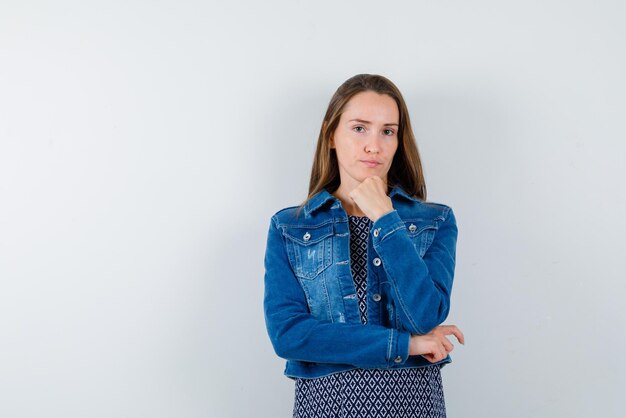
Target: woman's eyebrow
366 122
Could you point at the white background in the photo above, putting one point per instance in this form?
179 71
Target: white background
144 146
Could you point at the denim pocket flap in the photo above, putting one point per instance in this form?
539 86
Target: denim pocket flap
309 235
421 232
418 226
309 249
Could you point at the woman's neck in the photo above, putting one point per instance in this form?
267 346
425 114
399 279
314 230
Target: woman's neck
348 204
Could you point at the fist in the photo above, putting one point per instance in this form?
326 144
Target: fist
371 197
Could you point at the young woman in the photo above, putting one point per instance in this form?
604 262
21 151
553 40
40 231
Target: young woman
358 277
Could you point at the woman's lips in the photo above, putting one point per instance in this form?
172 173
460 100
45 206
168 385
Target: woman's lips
370 164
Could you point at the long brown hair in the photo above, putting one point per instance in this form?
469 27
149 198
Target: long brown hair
406 167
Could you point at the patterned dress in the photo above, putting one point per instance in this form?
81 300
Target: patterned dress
370 393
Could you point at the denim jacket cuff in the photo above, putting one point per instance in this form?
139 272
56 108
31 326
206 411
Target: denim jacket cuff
399 346
386 225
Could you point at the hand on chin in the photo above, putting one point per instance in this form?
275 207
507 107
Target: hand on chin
371 197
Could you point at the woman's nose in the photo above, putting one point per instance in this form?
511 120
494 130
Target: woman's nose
373 145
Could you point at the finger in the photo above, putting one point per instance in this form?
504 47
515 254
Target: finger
429 357
444 352
453 330
377 183
438 351
447 345
459 335
442 329
434 357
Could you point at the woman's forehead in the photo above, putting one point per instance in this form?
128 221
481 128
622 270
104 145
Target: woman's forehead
371 107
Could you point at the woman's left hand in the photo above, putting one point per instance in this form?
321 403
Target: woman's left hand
435 345
371 197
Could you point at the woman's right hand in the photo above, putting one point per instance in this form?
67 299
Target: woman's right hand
435 346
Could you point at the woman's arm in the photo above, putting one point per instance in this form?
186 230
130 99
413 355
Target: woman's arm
295 334
421 287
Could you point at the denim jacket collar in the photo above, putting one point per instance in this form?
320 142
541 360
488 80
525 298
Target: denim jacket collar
319 199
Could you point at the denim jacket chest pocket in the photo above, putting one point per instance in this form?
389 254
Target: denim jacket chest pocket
309 249
421 232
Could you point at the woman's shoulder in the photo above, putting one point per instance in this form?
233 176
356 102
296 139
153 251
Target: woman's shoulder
438 206
288 214
314 210
425 210
286 210
410 205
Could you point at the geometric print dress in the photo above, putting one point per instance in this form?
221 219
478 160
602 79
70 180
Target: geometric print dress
370 393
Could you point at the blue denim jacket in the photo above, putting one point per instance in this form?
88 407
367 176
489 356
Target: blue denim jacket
310 303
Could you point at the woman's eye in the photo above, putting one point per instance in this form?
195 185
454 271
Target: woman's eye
359 129
388 132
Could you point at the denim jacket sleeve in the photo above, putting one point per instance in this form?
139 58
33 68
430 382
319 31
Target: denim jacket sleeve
296 335
420 287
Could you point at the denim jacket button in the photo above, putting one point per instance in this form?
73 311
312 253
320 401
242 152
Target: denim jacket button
412 227
377 261
376 297
306 236
376 232
398 359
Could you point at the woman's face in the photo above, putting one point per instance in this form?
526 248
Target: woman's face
366 138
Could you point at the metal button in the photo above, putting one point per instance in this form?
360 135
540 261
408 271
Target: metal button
376 297
412 228
398 359
377 261
306 236
376 232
